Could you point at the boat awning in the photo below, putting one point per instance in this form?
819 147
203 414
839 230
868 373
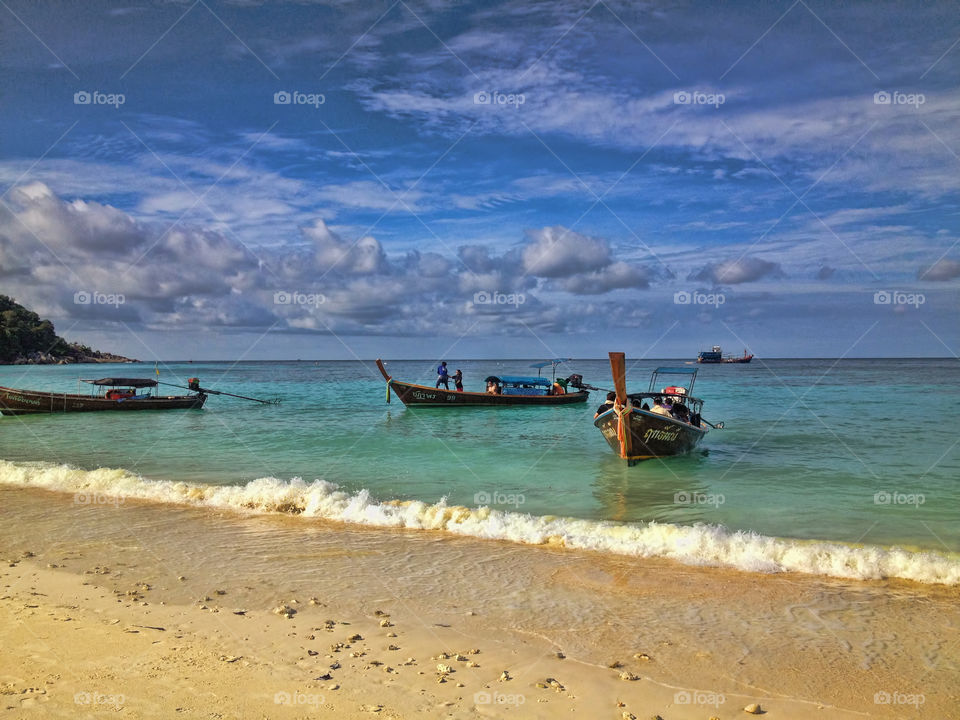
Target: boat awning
677 370
123 382
518 380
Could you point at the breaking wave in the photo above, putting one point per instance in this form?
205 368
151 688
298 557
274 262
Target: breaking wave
699 544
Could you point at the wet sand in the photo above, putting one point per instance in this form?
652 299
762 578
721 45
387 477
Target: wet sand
149 610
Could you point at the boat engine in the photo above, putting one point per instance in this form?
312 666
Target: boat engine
575 381
194 384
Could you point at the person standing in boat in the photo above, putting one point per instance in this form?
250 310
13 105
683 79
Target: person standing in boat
443 376
458 380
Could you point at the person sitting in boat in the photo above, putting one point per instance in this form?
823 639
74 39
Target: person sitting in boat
680 412
458 380
443 376
559 387
607 405
659 409
492 387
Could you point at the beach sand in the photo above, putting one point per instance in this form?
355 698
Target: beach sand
144 610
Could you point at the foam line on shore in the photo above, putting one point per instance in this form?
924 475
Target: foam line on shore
699 544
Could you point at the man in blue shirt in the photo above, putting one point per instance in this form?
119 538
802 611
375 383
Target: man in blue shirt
442 376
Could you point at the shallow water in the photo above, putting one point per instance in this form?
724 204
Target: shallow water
856 452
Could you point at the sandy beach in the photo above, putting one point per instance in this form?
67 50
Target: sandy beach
145 610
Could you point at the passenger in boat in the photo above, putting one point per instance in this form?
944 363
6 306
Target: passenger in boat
458 380
557 388
659 409
607 405
443 376
680 412
493 388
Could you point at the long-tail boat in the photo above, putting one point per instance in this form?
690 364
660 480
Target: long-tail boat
504 390
108 394
656 423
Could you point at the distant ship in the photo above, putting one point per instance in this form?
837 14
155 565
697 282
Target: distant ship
716 356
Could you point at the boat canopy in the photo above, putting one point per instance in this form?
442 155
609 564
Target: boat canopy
690 373
519 380
123 382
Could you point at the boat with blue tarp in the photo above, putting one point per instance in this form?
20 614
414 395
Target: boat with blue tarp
501 391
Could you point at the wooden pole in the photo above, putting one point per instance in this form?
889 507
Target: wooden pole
618 363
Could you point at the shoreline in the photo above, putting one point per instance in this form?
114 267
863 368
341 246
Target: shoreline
691 545
792 643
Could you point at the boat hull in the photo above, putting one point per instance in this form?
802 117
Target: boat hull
652 435
28 402
424 396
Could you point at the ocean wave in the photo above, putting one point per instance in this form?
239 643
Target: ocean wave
700 544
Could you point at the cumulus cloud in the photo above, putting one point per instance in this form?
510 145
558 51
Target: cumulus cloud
614 276
199 277
734 272
556 252
941 271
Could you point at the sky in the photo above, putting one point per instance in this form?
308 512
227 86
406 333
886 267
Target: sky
340 180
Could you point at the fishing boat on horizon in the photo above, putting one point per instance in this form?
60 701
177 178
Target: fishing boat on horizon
656 423
502 390
715 355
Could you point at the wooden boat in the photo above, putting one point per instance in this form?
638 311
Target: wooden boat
635 433
716 356
513 391
109 394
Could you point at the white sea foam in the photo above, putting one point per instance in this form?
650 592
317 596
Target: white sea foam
692 545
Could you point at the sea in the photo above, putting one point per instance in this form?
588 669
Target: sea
846 468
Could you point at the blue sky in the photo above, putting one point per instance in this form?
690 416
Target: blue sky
506 179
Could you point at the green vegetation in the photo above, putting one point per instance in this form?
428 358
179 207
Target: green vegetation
26 339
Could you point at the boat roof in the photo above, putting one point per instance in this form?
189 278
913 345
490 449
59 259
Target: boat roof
123 382
520 380
676 370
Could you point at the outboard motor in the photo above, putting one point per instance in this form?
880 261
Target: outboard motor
575 381
194 384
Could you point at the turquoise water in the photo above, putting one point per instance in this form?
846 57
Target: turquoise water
807 447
